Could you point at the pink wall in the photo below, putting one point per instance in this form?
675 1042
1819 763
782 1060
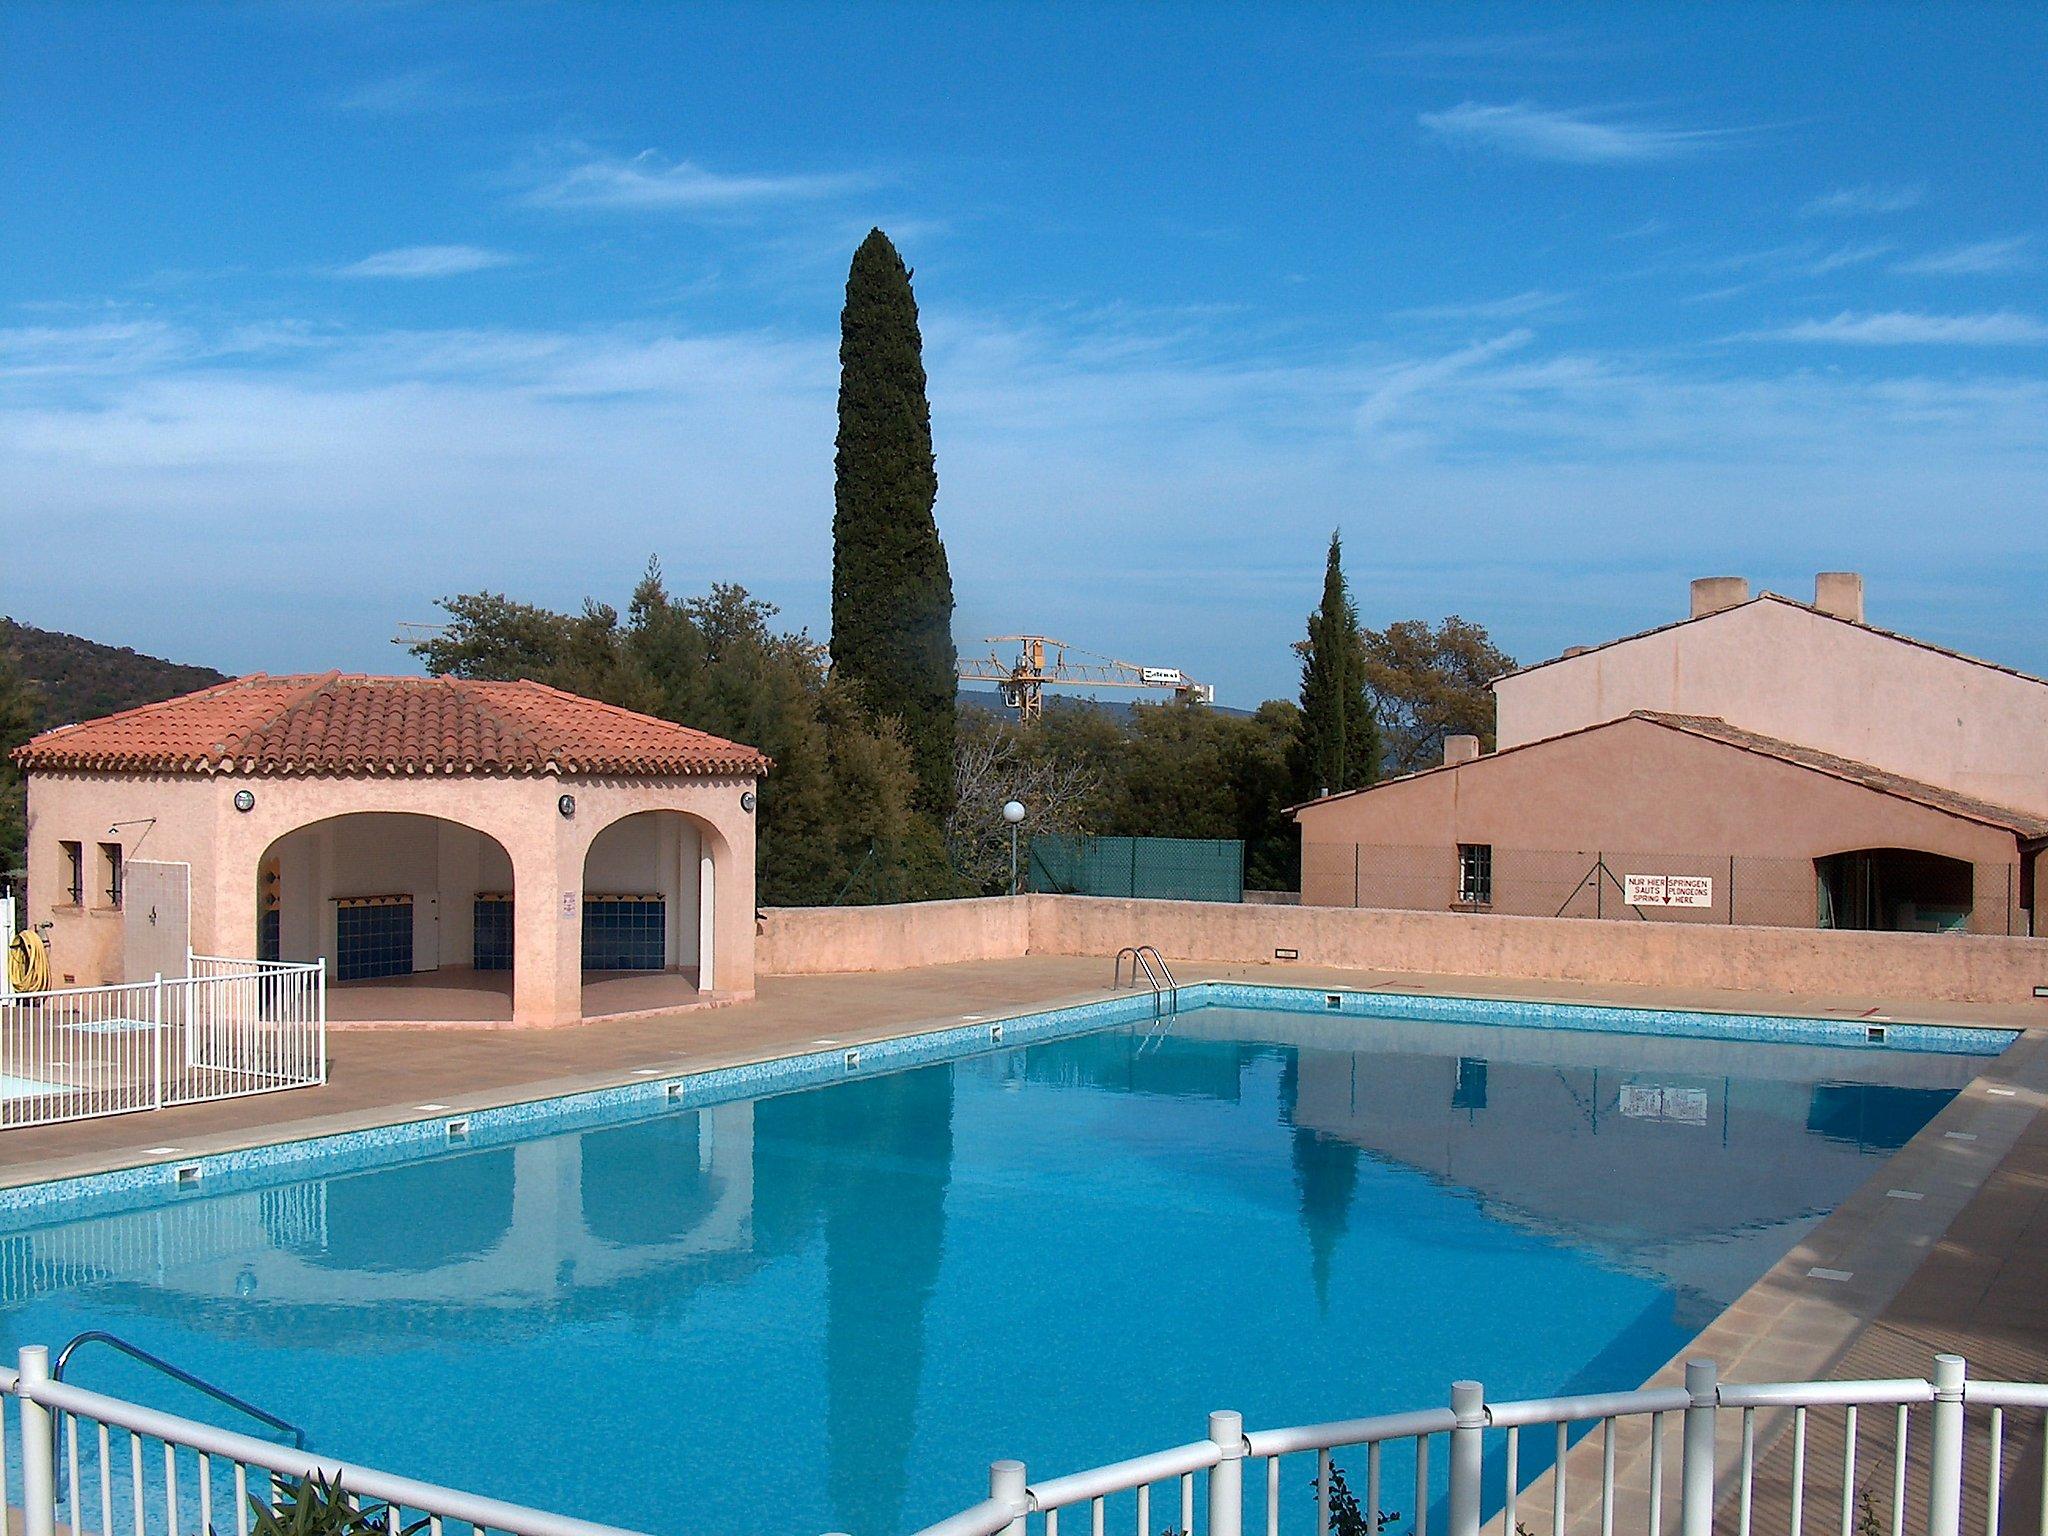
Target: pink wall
1896 967
809 940
1630 787
1782 669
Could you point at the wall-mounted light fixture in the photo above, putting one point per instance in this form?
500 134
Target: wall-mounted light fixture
145 822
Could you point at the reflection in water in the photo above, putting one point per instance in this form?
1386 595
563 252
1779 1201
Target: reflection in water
882 1261
461 1207
1325 1177
827 1309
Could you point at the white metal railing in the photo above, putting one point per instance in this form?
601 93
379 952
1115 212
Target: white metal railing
121 1468
231 1027
1485 1462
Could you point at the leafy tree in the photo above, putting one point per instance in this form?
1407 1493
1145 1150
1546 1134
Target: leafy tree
18 714
892 594
995 764
839 796
1337 741
1428 683
1163 770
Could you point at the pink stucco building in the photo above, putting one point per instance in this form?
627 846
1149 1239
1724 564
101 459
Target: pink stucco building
454 849
1760 760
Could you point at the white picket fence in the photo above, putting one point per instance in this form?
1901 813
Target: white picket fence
1642 1476
229 1028
119 1469
1699 1459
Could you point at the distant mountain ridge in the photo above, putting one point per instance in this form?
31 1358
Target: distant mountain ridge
77 679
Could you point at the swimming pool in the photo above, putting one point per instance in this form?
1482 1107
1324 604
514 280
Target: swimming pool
828 1309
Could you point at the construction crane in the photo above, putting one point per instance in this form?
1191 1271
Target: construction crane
1041 662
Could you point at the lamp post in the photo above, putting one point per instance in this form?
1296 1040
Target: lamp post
1013 813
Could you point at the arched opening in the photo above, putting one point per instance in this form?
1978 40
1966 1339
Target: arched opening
1899 890
413 915
372 1219
646 1185
649 889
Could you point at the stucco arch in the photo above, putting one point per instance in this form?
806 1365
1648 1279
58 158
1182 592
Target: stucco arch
347 872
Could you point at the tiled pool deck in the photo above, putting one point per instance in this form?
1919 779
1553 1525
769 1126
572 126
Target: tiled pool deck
1874 1291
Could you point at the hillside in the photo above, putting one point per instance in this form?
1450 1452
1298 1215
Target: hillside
77 679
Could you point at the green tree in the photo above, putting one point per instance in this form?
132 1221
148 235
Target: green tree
892 594
1337 738
1428 683
18 711
838 799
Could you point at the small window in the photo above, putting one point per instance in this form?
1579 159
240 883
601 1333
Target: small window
110 866
74 872
1475 874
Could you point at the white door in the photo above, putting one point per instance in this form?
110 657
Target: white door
156 919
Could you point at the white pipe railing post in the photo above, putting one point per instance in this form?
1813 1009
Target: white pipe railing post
1006 1483
1696 1507
6 947
1468 1443
320 1009
1226 1478
1945 1449
156 1043
38 1446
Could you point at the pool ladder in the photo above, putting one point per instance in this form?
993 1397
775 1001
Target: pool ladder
1149 963
176 1373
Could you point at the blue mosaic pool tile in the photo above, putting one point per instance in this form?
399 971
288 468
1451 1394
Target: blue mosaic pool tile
1946 1039
214 1173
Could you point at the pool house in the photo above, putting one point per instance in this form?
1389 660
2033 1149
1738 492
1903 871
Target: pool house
456 851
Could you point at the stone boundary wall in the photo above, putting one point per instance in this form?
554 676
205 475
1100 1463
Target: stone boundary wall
1952 968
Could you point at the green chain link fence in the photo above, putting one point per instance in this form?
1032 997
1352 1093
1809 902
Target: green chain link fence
1165 868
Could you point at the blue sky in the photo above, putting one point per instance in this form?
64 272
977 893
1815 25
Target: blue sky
312 313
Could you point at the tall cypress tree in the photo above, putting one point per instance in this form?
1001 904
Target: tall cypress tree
892 594
1337 744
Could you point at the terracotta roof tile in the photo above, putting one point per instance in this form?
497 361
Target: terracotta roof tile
335 723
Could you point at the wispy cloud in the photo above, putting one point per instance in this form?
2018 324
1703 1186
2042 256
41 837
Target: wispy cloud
1785 264
1575 138
1964 260
647 181
1512 307
1403 382
412 91
1855 202
1523 463
415 261
1905 328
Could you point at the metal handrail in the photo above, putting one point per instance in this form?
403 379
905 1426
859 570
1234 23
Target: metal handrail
179 1374
1154 964
478 1511
1165 989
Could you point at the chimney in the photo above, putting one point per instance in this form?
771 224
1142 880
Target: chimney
1839 593
1711 594
1460 749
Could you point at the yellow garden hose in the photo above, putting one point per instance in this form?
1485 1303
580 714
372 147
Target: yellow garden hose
28 962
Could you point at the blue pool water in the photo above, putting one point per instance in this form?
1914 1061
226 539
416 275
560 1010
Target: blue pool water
828 1310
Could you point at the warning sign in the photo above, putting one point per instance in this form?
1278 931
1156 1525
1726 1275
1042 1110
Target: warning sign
1668 890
